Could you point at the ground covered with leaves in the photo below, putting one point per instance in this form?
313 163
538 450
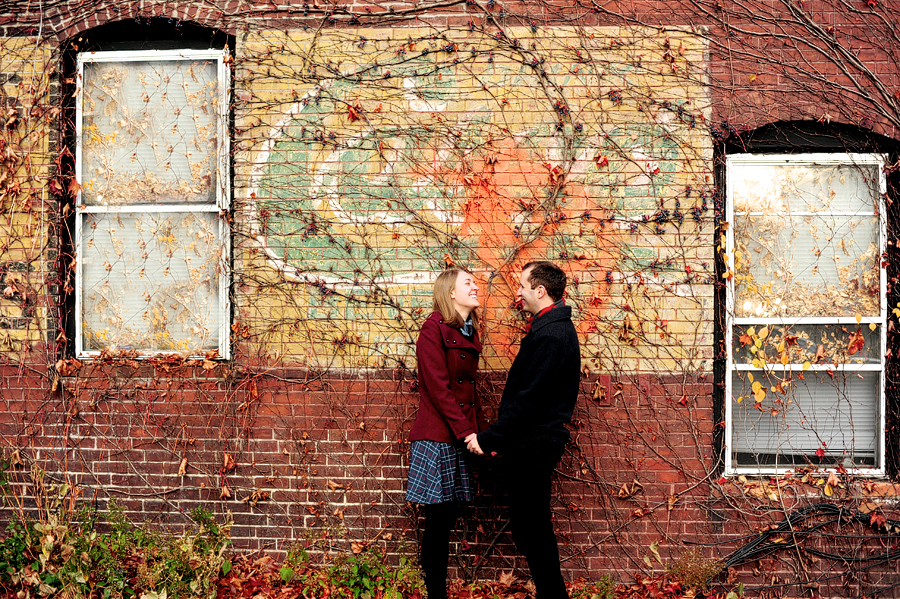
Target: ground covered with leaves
366 576
66 549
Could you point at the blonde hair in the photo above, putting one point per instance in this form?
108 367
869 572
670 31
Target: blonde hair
443 303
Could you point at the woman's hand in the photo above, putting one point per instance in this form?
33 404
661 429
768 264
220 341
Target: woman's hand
472 444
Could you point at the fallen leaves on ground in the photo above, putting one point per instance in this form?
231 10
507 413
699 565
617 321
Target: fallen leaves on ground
252 576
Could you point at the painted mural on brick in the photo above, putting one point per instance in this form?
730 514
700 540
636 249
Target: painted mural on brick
381 156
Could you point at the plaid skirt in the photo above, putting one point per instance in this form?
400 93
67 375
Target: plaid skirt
438 472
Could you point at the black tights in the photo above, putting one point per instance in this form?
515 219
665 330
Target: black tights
435 547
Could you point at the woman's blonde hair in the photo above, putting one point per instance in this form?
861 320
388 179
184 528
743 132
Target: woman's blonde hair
444 284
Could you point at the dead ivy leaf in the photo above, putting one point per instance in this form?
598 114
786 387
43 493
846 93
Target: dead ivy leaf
358 547
599 393
15 459
671 501
182 469
857 342
333 486
354 112
627 491
507 578
867 507
654 549
228 463
225 493
74 187
820 353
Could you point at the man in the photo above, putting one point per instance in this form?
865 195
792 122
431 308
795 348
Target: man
530 431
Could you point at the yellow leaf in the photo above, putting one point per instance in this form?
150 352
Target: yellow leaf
828 490
858 318
784 358
764 332
759 392
740 399
752 78
806 365
872 326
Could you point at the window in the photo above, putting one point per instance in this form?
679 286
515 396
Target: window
152 244
806 313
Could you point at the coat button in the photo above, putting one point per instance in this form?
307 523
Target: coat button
459 380
472 405
460 404
454 341
462 356
472 381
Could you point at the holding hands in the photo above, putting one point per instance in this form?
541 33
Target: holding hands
472 444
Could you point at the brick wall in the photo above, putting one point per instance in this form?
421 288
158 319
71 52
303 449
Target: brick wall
365 159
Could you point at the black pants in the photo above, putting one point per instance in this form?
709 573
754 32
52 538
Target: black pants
527 473
435 547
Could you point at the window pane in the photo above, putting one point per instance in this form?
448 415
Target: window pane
149 132
837 414
151 281
791 188
823 265
796 344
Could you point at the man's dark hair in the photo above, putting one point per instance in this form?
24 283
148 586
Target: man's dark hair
549 275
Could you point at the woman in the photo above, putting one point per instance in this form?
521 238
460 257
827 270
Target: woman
449 415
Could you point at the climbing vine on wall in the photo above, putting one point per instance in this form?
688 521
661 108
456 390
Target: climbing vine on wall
372 148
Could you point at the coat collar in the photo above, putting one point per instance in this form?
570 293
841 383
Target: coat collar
555 315
453 337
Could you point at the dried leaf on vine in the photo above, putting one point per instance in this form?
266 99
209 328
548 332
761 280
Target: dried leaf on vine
626 492
857 342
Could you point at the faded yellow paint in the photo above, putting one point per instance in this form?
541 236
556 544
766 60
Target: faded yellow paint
369 158
26 123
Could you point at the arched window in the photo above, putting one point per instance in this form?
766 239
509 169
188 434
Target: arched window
806 309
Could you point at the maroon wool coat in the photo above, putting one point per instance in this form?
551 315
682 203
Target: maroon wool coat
449 409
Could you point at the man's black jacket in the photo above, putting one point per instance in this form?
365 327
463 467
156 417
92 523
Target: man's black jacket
541 387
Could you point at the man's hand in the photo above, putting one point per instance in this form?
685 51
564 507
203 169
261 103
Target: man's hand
472 444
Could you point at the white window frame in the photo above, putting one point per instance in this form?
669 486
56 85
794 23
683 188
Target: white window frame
223 186
847 159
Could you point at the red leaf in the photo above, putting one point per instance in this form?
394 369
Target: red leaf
601 160
353 112
820 452
856 342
